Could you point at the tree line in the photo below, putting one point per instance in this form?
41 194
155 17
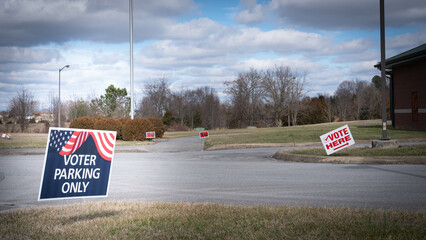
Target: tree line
261 98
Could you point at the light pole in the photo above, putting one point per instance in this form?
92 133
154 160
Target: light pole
131 59
59 102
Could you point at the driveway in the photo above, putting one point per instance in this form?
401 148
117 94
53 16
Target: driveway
178 170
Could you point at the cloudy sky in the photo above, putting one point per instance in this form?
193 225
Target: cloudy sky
194 42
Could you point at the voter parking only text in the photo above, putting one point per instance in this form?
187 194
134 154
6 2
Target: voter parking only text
77 164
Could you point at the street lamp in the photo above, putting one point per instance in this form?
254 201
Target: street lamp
132 87
59 104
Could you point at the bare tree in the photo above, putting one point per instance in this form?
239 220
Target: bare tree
54 108
157 97
246 93
296 95
209 107
177 106
237 89
357 99
345 95
327 107
276 85
360 97
21 108
191 104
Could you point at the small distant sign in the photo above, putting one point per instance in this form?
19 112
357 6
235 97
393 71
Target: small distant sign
77 163
337 140
150 135
204 134
6 135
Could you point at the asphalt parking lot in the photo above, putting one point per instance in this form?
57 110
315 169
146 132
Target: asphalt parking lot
179 171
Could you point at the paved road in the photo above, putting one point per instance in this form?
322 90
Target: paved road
178 170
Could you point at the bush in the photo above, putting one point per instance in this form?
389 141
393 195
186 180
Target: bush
107 124
159 127
135 130
122 121
84 123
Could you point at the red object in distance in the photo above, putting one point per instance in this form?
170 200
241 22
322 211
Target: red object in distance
150 134
204 134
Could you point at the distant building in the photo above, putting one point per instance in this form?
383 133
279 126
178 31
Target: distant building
407 73
43 116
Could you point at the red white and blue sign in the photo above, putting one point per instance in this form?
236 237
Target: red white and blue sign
77 163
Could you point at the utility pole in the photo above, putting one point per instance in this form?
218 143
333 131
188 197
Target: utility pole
383 69
384 141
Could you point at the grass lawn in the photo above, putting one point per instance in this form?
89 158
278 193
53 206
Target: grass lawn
135 220
295 134
415 150
24 140
310 133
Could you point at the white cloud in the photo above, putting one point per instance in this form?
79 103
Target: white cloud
364 69
252 13
27 55
406 41
92 37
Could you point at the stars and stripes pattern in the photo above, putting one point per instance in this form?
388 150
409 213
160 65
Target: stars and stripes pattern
75 141
104 143
67 142
58 139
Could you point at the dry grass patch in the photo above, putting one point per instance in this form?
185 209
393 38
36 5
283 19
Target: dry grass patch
135 220
39 140
24 140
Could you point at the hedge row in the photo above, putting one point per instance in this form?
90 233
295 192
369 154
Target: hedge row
127 129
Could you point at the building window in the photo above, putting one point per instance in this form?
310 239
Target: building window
414 106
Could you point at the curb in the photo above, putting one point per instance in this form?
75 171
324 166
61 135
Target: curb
286 155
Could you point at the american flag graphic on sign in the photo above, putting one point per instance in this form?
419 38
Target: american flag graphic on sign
67 142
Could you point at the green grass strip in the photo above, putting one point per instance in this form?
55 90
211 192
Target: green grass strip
414 150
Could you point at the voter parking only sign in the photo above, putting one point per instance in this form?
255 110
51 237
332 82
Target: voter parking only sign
337 140
77 163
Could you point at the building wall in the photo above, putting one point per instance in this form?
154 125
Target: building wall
410 95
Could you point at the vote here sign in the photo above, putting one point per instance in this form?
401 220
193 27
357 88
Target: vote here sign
77 163
337 140
204 134
150 135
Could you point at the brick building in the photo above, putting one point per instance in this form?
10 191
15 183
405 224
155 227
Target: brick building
407 73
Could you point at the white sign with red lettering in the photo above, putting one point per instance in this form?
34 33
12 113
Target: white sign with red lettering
150 135
337 140
204 134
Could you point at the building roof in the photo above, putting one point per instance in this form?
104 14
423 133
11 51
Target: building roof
407 56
